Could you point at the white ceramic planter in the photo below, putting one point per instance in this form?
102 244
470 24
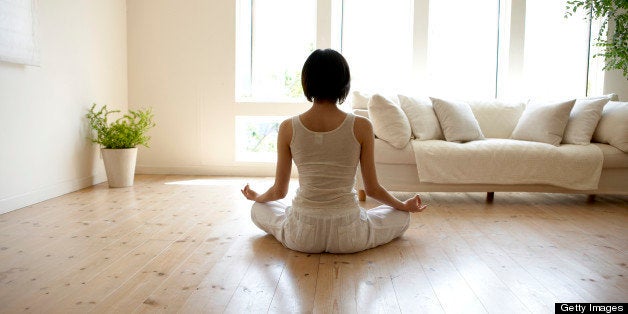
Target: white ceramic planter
120 166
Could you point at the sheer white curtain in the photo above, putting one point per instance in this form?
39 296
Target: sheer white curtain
18 24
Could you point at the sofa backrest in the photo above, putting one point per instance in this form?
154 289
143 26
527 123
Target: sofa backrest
497 118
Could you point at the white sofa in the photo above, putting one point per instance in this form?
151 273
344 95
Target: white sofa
433 145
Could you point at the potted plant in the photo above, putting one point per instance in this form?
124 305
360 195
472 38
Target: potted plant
119 140
613 43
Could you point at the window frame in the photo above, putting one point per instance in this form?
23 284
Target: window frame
244 59
329 23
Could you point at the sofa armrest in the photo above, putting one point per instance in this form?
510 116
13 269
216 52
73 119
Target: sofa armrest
613 126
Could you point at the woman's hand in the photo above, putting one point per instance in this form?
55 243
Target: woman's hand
414 205
249 194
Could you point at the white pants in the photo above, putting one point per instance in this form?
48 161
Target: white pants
345 231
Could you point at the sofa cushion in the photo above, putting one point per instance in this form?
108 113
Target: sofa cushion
506 161
389 121
361 113
497 118
388 154
612 96
359 100
457 121
585 115
423 120
544 123
613 126
613 156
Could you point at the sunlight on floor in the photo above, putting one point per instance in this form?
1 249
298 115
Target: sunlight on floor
209 182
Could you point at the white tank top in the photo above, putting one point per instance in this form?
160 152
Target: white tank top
327 163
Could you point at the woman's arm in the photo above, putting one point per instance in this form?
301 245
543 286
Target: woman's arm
282 173
364 134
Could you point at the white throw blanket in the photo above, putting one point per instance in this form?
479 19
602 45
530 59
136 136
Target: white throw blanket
505 161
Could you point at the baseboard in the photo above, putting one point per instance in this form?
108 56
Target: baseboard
51 191
261 170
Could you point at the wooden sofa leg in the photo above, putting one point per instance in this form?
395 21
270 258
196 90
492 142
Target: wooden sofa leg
490 196
591 198
361 195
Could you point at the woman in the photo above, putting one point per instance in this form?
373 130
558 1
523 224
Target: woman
327 145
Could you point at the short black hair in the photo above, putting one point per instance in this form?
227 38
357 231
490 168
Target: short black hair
326 76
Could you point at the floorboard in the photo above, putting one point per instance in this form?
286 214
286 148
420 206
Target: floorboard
186 244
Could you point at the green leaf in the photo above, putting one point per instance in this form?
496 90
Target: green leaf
126 132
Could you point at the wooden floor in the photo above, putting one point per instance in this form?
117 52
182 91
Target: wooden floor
186 244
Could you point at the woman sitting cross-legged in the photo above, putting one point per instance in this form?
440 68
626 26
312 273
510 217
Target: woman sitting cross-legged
327 145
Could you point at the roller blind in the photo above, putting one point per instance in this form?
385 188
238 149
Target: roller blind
18 40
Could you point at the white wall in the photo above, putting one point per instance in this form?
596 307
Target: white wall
615 82
43 131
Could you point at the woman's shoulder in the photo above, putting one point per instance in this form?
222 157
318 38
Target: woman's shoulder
362 123
288 121
285 131
287 124
362 128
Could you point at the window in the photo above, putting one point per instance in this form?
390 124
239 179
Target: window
274 38
556 51
540 52
256 138
377 43
462 48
